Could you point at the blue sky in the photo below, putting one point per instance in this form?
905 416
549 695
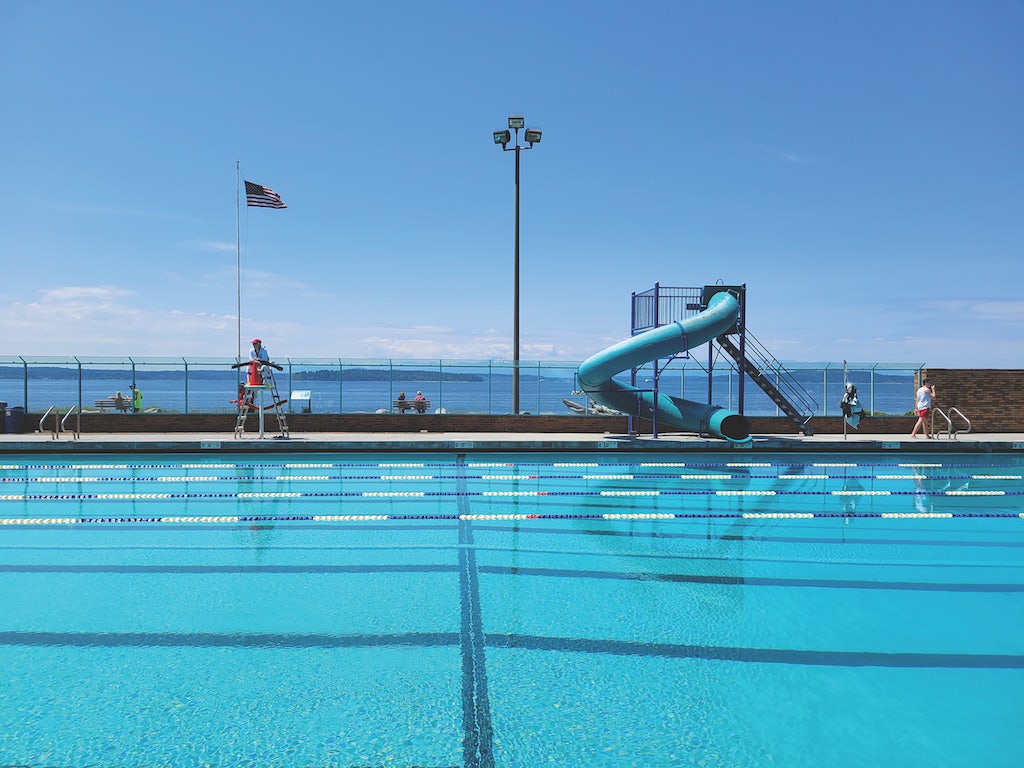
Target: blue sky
859 166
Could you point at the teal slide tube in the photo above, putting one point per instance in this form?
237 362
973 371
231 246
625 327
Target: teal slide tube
596 372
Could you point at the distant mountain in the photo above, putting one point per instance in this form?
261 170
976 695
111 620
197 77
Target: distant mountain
57 373
807 377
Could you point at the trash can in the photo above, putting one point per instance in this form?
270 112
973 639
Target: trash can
15 420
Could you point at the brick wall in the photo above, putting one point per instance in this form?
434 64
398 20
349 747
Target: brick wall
992 398
344 422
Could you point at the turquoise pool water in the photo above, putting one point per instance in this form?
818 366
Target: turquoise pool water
512 610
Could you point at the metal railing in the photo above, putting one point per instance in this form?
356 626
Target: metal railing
951 431
64 422
342 385
662 305
56 423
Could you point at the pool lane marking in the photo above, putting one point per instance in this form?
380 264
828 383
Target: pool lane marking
477 723
916 514
638 516
850 659
185 479
484 494
107 496
349 518
516 643
466 517
513 493
783 515
203 519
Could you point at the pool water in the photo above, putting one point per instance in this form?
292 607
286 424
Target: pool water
512 610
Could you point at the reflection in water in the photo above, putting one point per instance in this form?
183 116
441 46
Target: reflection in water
852 490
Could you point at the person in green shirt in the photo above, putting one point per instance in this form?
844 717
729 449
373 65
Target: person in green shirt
136 399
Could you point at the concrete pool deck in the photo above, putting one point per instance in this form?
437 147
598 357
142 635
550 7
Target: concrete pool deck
251 442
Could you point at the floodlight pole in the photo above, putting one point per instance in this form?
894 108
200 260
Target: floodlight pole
532 135
515 297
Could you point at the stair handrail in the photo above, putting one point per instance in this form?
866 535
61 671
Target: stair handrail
793 390
785 381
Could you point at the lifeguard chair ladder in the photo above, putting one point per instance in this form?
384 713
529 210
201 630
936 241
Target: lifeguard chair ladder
247 401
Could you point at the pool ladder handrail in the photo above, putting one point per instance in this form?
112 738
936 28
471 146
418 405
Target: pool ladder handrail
59 424
56 425
77 431
952 432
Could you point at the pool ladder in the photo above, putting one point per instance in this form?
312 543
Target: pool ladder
61 425
951 431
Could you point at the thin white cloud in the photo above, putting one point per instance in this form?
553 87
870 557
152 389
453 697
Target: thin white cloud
91 293
992 311
215 246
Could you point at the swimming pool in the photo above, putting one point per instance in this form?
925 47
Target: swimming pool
512 610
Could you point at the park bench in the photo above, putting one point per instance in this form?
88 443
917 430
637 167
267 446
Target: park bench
420 406
111 404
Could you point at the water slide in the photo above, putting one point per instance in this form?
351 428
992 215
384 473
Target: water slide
596 372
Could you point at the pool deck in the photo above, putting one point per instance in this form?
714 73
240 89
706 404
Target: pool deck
179 442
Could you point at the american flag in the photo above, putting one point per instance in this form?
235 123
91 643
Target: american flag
262 197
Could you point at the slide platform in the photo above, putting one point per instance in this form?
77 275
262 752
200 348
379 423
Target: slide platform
596 372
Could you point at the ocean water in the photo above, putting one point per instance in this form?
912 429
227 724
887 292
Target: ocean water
539 395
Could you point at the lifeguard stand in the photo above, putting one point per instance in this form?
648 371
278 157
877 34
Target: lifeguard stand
251 397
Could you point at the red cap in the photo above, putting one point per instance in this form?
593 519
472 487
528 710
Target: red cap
255 341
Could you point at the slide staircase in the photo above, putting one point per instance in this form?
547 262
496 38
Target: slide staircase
776 382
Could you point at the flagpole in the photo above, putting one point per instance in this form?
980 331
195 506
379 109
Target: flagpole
238 259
